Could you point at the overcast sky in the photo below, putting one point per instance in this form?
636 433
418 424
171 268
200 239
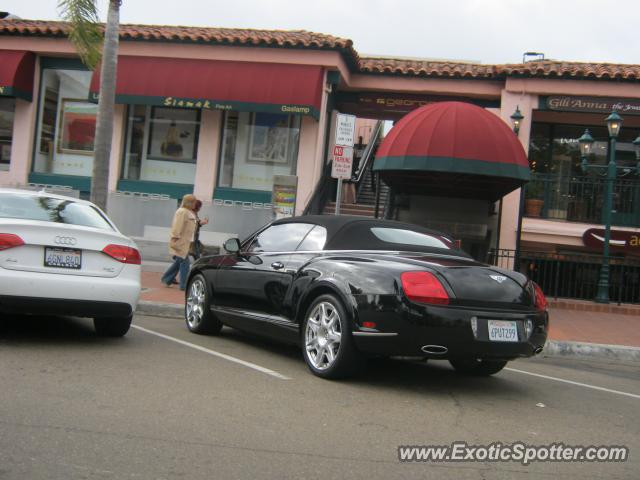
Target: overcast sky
488 31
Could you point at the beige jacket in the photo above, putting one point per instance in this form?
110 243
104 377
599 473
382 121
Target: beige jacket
182 229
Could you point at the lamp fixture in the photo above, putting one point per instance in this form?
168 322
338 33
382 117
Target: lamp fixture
614 122
516 118
636 147
586 144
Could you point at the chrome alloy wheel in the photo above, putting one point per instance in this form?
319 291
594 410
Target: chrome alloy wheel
323 335
196 301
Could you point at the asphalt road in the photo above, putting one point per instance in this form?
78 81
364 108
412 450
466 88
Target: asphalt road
75 406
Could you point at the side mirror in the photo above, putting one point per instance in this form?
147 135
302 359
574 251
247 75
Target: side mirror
232 245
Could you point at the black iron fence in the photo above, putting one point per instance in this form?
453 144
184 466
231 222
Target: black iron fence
580 199
573 275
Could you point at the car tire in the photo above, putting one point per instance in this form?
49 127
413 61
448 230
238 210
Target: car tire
327 343
112 326
197 311
477 366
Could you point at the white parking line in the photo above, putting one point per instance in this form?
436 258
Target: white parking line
571 382
214 353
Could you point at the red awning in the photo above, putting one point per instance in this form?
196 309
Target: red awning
452 147
217 84
16 74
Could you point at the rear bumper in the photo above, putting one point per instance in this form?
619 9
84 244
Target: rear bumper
37 293
404 329
59 306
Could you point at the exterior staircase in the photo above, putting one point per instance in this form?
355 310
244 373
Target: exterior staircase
366 200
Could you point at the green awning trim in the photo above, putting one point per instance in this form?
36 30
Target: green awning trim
452 165
212 104
242 195
15 92
76 182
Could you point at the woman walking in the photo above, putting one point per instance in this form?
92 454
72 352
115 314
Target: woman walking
183 228
196 246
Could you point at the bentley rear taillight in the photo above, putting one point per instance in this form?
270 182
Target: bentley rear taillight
539 298
10 240
424 287
123 254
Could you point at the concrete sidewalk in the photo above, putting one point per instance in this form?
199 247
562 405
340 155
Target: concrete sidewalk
573 329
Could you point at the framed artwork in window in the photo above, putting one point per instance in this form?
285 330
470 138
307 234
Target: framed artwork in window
173 134
270 139
77 127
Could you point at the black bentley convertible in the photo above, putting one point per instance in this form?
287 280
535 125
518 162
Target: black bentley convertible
344 288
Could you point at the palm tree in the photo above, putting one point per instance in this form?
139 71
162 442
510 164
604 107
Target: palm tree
86 35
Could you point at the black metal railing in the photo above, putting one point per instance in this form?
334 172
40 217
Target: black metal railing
580 199
325 188
368 155
573 275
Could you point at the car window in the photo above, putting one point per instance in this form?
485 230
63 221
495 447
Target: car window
314 240
410 237
49 209
284 237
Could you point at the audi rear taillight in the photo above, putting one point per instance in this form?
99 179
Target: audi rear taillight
10 240
424 287
539 298
123 254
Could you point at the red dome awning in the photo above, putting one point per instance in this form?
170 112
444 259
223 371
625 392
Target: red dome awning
452 145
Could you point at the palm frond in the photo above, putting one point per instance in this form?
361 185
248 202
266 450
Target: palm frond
85 32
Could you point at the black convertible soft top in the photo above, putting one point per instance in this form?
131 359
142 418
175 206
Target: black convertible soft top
350 232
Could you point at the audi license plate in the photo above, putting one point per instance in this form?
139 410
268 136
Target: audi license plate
62 257
502 331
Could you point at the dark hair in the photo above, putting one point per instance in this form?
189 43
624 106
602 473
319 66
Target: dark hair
197 205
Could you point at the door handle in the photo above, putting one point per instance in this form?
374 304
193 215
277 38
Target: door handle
277 265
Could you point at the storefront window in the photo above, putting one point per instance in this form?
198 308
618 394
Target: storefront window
67 123
554 149
162 144
7 107
257 146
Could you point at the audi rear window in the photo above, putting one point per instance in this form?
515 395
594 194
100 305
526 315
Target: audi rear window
49 209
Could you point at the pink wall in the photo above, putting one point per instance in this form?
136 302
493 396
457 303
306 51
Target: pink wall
364 129
310 154
117 145
208 153
511 202
552 232
22 143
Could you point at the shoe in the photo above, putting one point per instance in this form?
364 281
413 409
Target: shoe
174 282
167 284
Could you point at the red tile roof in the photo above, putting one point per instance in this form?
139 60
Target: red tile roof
225 36
368 65
543 68
558 69
425 68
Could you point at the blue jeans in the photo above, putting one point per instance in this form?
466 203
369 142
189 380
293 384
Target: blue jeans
179 265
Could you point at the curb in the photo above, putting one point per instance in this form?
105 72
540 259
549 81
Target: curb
160 309
553 348
584 350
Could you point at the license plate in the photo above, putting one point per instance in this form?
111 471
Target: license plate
502 331
62 257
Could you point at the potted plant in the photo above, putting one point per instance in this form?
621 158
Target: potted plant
533 199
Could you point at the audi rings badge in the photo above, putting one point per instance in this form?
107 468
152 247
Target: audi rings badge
66 241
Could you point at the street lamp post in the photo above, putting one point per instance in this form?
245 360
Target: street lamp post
614 122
